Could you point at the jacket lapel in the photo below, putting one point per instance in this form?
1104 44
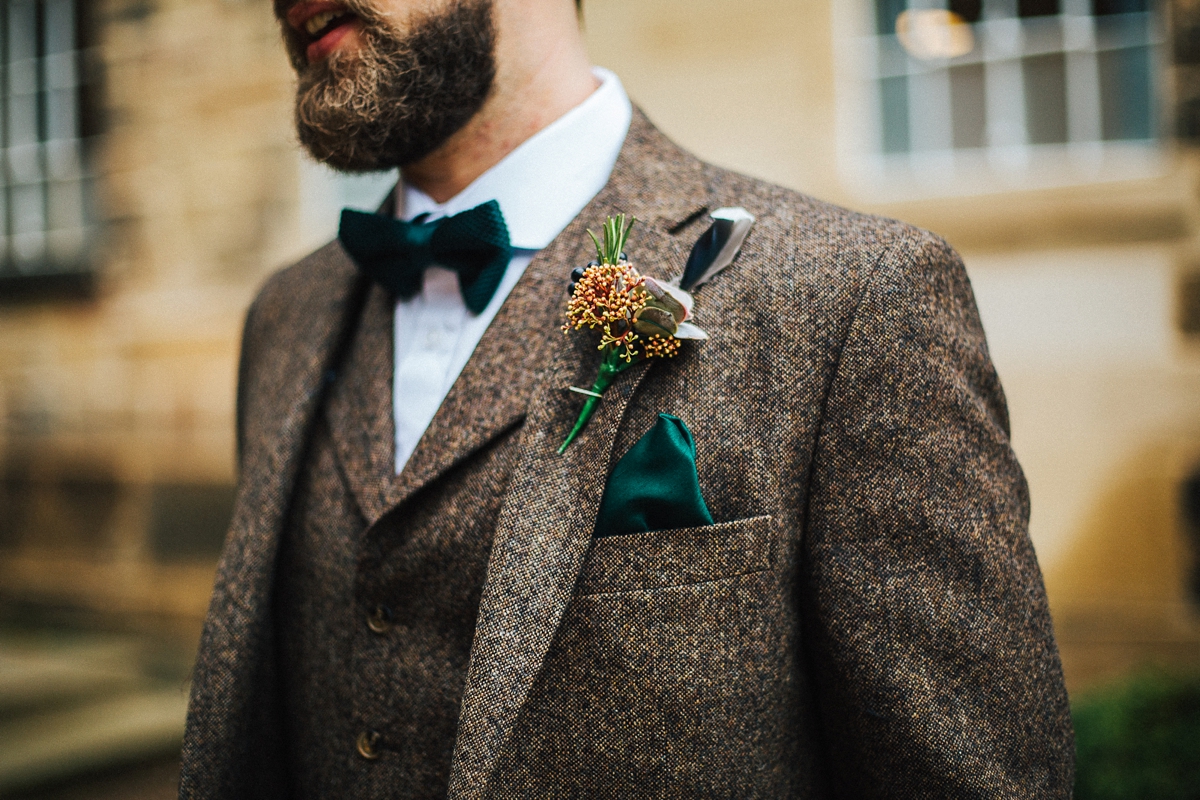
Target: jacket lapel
515 348
279 397
491 394
290 343
545 528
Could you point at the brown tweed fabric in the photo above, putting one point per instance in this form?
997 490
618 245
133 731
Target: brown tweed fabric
866 619
402 681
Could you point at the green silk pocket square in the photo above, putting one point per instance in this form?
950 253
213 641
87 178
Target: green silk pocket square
654 486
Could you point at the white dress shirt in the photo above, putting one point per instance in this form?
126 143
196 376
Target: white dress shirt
541 186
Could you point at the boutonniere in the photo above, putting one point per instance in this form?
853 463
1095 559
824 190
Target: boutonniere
637 316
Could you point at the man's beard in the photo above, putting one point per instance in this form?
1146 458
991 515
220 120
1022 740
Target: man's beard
396 98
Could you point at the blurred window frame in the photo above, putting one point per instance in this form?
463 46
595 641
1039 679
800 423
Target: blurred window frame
48 121
951 98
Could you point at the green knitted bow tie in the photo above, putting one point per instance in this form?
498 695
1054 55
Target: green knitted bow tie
395 253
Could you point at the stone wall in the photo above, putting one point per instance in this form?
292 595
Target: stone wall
1077 285
117 438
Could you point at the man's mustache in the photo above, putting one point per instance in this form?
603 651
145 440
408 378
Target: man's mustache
362 9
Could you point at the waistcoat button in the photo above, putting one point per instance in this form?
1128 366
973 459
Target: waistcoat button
367 743
380 619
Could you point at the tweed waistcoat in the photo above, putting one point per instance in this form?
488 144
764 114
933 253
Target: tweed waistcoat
375 619
866 619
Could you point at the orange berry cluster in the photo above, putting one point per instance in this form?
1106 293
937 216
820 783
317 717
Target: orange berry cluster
608 297
660 347
604 295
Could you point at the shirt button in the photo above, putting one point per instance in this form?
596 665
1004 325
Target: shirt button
380 619
368 745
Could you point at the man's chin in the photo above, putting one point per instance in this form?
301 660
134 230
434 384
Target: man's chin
370 101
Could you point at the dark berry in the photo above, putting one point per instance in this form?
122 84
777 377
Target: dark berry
571 289
593 263
577 273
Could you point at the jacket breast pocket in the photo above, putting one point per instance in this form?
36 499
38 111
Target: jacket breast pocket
676 557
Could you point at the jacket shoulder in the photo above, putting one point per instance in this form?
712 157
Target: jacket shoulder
290 294
791 221
292 325
825 254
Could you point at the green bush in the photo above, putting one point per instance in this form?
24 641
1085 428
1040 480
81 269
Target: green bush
1140 741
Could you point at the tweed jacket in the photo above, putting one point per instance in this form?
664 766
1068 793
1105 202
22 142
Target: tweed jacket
865 619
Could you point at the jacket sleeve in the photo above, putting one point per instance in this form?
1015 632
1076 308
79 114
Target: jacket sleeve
926 622
245 369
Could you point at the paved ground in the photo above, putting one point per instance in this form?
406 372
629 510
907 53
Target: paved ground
155 780
86 714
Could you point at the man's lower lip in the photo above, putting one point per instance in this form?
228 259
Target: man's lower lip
324 46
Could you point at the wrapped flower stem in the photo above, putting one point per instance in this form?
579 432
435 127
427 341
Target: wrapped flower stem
612 366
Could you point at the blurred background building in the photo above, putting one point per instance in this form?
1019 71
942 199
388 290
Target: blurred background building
151 181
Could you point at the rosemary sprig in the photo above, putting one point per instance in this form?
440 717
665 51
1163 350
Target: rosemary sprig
615 233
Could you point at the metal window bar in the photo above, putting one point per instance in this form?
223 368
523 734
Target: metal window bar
43 225
1076 73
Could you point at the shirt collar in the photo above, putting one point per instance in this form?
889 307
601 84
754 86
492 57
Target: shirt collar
544 184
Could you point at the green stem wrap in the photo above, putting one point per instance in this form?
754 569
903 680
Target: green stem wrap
610 367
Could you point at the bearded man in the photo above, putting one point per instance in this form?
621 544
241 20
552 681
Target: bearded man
826 588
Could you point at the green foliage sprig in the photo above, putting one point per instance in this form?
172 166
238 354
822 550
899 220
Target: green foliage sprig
615 233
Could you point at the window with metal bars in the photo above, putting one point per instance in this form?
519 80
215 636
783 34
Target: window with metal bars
1007 86
45 226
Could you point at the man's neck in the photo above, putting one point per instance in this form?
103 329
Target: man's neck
527 96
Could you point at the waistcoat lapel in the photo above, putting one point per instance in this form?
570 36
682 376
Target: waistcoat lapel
545 528
360 409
